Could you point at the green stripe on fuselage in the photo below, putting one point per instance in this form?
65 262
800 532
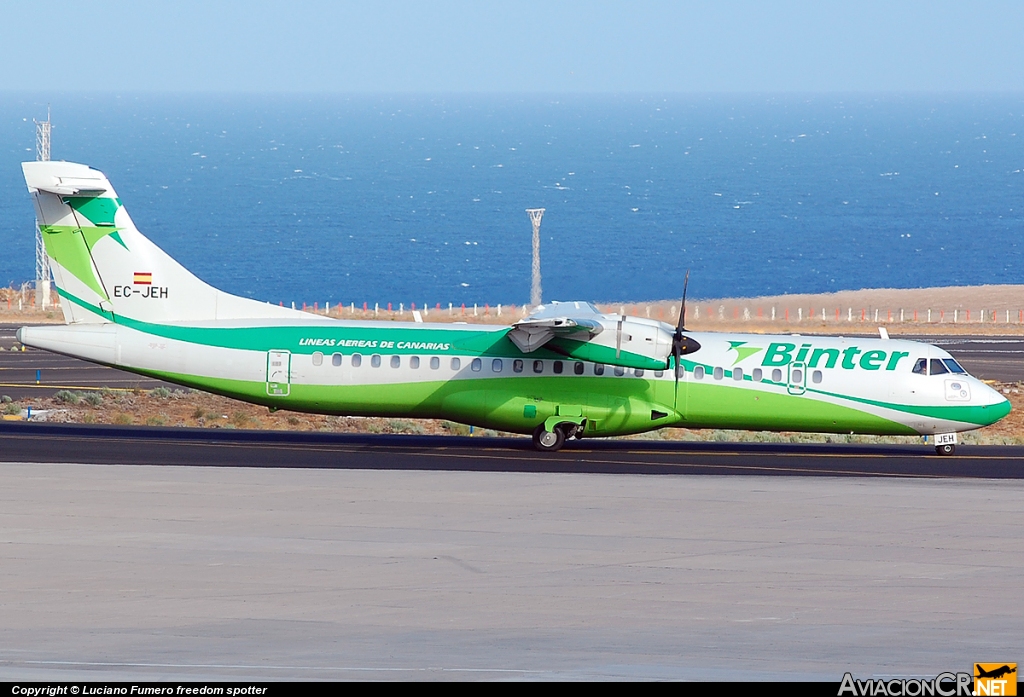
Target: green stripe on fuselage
619 404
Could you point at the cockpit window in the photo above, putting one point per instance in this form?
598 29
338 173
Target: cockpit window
937 367
921 367
953 366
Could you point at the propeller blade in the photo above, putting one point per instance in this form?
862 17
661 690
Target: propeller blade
679 342
682 308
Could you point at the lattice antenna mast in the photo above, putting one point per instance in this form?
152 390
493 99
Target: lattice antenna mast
535 215
42 264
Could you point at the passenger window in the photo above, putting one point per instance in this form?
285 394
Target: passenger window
719 373
797 376
737 373
357 360
680 371
336 359
517 366
816 377
375 360
937 367
496 365
698 372
599 369
435 362
619 371
456 364
396 361
538 366
777 375
757 375
414 362
639 372
577 368
476 364
558 367
318 358
921 367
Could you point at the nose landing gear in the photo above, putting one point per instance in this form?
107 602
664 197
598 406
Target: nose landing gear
945 443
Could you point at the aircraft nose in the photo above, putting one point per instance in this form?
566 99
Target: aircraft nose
995 405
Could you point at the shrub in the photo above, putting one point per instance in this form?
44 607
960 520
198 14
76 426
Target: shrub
68 397
93 399
160 392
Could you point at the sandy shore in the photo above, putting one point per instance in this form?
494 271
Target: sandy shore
955 309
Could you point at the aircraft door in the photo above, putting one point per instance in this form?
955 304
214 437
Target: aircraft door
796 382
279 373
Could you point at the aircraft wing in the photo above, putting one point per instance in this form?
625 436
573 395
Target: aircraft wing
579 330
533 332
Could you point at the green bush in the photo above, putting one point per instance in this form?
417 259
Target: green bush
68 397
161 392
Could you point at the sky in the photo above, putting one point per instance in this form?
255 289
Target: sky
444 46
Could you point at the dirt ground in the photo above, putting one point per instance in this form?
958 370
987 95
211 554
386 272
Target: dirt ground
192 408
989 307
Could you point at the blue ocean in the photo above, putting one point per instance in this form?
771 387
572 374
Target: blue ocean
422 199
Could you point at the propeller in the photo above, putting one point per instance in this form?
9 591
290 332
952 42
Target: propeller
682 344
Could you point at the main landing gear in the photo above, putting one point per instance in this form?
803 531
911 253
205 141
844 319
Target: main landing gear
551 441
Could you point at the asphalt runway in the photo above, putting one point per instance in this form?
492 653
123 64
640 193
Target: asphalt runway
200 447
132 573
56 372
987 357
137 553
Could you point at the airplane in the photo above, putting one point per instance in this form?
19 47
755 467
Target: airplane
565 371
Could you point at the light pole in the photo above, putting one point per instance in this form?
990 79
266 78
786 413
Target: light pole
535 215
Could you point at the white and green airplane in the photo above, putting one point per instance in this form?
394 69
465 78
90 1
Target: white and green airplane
567 370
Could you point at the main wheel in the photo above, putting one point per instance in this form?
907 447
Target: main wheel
548 441
947 449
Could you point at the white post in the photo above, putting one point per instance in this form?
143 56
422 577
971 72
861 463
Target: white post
773 313
535 215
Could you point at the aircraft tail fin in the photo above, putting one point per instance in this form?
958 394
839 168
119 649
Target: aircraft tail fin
104 267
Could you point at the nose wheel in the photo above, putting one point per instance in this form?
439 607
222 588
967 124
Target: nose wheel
947 449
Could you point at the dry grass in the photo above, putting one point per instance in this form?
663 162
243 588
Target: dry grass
202 410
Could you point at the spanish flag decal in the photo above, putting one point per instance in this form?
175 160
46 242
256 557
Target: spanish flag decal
143 279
